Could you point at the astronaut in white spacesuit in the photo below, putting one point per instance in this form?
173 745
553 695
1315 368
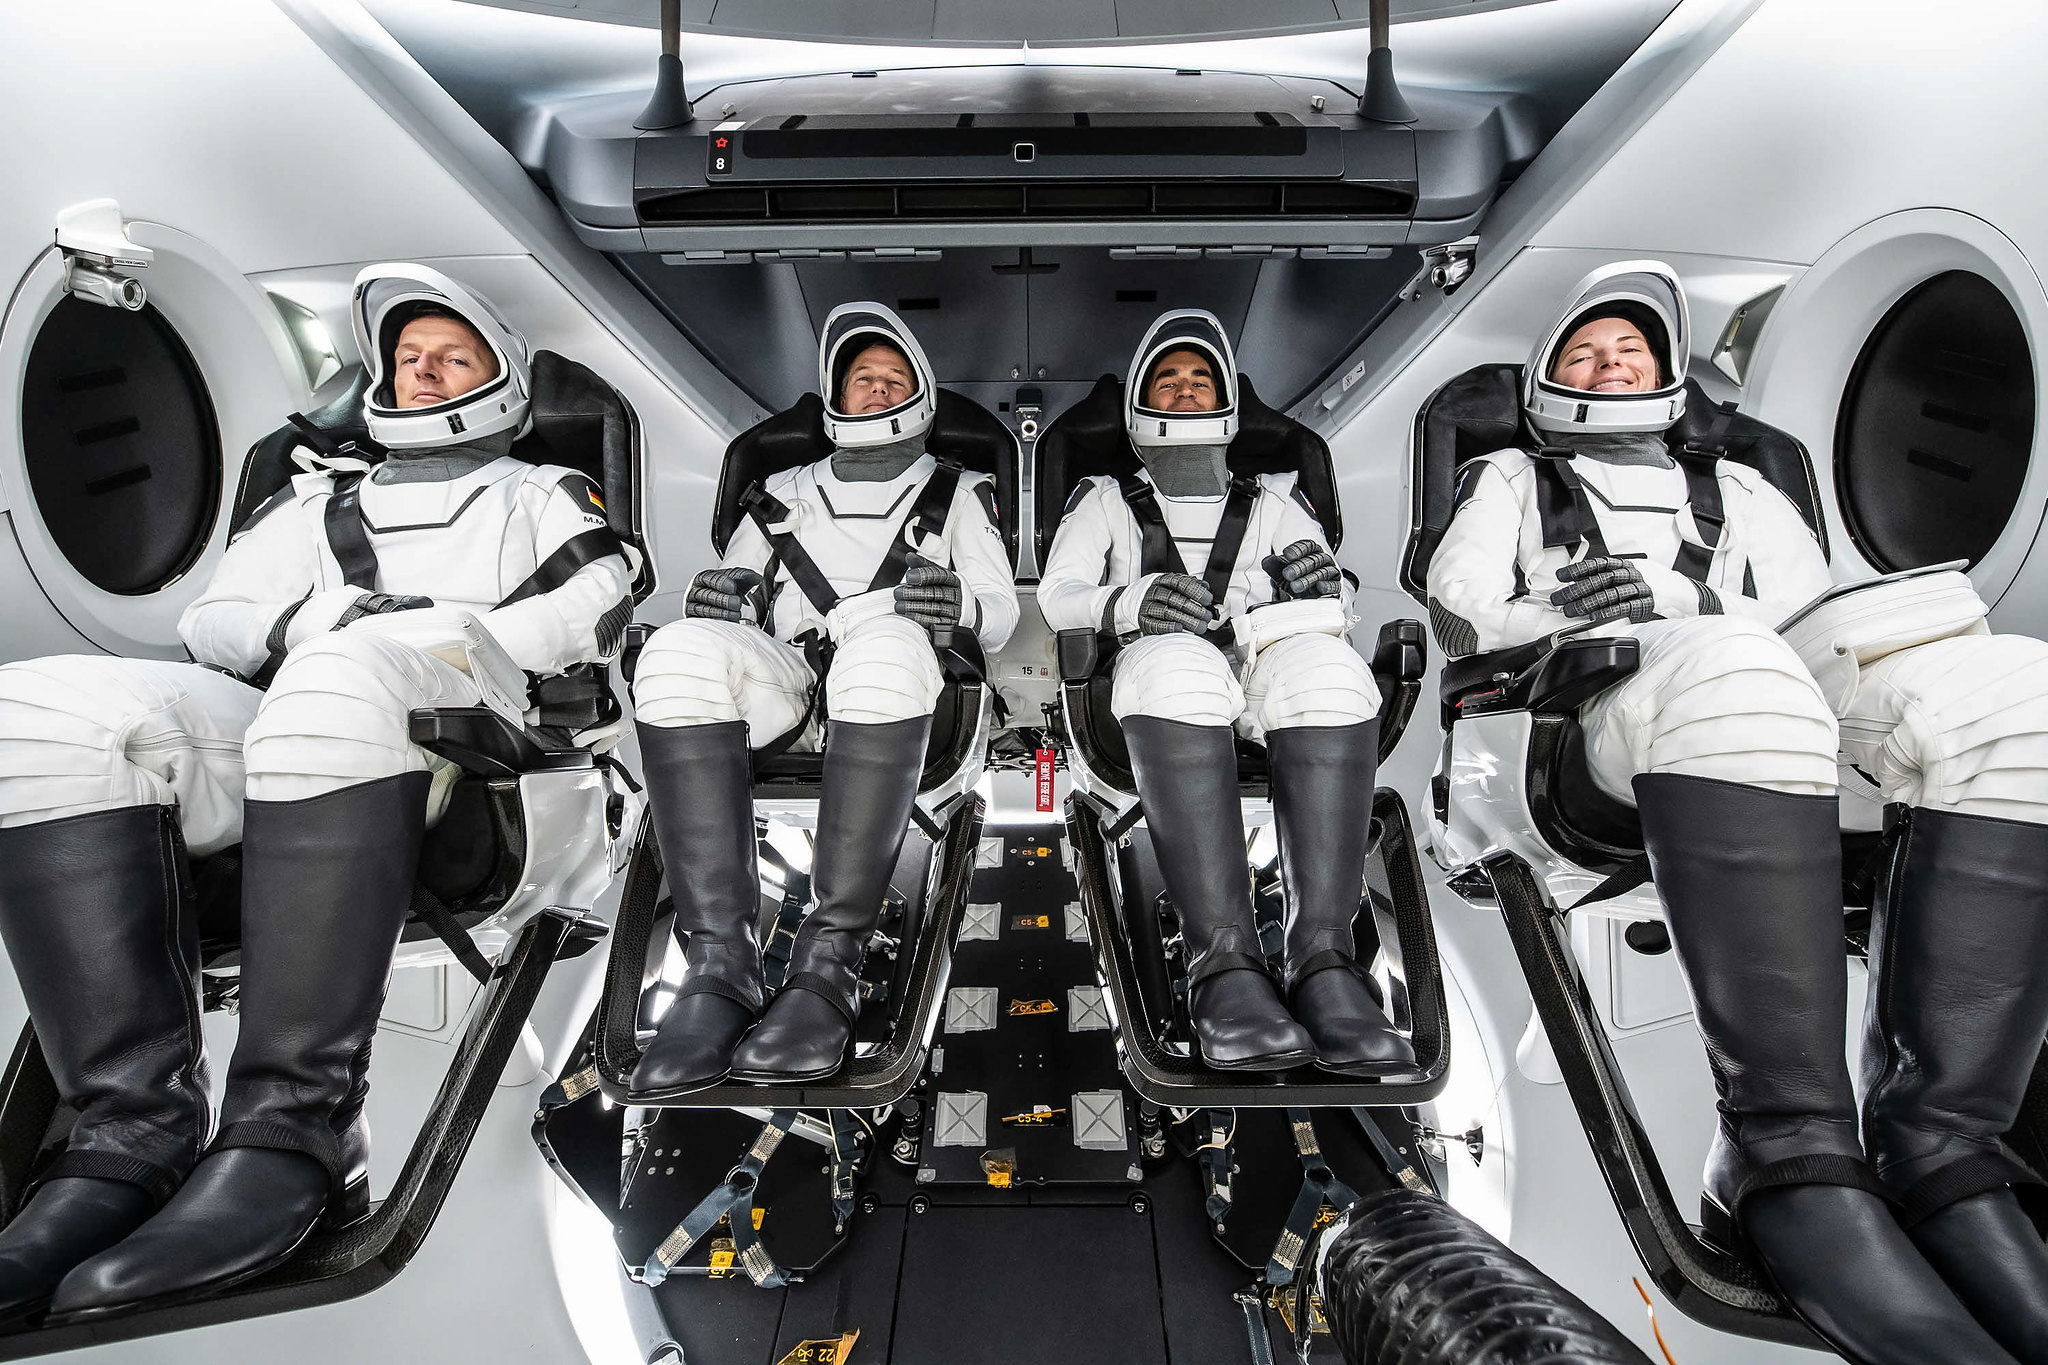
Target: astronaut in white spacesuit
1178 562
1727 745
864 559
112 769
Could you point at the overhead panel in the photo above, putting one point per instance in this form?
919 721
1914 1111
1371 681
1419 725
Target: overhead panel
970 320
1087 316
1173 18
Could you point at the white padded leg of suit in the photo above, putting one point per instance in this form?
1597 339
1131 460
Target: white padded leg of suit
884 670
1714 696
1958 724
1308 679
337 715
85 732
699 672
1175 677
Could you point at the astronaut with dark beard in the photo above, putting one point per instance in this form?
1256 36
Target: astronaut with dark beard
352 595
1232 613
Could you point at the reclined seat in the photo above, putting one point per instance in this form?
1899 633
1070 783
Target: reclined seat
1123 901
509 877
1515 817
905 971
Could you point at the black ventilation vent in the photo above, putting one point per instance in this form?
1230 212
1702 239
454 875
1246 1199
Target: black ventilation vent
122 448
1936 424
982 200
1154 135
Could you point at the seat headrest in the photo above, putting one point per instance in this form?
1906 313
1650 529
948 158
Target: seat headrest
579 421
963 431
1088 439
1480 412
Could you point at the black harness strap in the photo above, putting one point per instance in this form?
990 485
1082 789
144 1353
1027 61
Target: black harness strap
347 537
1700 460
430 911
1237 516
1158 554
1562 506
932 509
585 547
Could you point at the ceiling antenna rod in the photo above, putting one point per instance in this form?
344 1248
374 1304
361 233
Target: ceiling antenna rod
1381 102
670 107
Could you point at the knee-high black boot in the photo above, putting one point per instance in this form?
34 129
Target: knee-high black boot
698 787
1751 883
870 781
1958 1009
326 883
1322 803
1187 778
97 917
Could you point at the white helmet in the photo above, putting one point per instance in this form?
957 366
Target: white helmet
850 329
386 298
1184 329
1647 294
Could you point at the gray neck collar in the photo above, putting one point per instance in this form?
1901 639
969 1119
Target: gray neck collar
1625 448
1188 471
441 464
876 464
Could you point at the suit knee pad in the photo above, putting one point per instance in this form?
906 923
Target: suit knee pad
339 714
883 672
1311 679
1178 677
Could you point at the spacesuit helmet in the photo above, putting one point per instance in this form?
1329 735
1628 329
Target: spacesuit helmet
386 298
1648 295
1184 329
849 330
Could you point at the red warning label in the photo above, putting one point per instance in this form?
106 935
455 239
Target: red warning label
1045 779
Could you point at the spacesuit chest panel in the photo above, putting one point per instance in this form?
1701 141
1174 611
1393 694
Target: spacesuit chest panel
465 542
847 529
1637 507
1193 523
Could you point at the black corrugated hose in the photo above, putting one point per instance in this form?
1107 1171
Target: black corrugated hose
1411 1281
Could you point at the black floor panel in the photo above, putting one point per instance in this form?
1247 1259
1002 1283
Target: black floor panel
1025 1286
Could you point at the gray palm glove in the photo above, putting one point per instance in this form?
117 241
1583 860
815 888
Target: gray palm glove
930 594
1604 590
379 604
727 595
1175 601
1303 569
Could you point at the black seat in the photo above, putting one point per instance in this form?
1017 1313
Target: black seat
1121 887
1088 440
1476 414
904 980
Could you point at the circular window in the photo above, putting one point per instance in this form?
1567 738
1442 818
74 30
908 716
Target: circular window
122 449
1936 422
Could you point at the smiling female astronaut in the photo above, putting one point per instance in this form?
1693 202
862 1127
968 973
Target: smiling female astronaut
1726 743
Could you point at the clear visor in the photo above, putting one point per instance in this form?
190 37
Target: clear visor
385 306
1643 293
847 334
1198 333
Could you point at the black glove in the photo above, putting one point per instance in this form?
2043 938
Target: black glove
1176 601
1303 569
1604 590
379 603
727 595
930 594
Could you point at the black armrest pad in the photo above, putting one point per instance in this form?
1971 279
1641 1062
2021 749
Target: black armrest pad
1078 651
481 741
1543 675
1402 654
637 633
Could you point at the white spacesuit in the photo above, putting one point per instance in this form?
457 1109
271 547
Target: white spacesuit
1230 611
430 580
864 559
1728 745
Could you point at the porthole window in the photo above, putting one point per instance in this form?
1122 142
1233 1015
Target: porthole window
1935 427
122 448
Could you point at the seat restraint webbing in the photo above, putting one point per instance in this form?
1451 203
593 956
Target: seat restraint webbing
347 537
931 510
586 547
734 1198
1158 554
1319 1186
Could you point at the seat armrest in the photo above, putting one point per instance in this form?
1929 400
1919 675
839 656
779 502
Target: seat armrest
637 633
1402 654
1078 651
1546 675
479 740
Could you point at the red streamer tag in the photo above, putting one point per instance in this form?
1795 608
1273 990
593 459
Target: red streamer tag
1045 779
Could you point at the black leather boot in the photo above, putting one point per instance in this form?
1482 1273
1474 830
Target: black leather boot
1751 883
1187 779
1958 1009
699 787
1322 803
870 781
96 913
326 883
